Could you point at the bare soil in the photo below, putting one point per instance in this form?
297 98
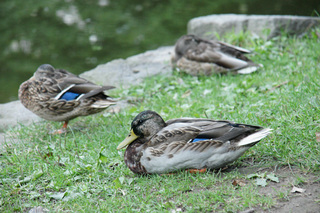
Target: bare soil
307 201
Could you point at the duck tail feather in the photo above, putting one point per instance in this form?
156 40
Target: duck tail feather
254 137
248 70
103 103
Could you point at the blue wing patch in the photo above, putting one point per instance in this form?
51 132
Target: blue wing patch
199 139
69 96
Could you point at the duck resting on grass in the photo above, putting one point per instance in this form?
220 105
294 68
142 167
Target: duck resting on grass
58 95
197 56
156 146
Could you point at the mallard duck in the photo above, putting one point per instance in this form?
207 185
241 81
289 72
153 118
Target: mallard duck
58 95
156 146
197 56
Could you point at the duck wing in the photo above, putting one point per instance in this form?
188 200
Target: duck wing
216 130
212 154
232 48
218 53
198 143
173 133
71 83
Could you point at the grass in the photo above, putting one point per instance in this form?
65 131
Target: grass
83 172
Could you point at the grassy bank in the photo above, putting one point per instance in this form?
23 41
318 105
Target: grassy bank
83 171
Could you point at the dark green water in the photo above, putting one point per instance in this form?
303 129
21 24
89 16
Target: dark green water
35 32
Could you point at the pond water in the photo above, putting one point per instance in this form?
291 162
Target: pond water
79 35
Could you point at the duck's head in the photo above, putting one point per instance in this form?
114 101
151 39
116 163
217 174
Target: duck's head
45 70
185 43
144 125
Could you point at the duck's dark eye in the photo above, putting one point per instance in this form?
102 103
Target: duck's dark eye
140 121
188 41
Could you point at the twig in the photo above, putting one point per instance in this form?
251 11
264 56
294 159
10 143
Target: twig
290 169
275 87
205 113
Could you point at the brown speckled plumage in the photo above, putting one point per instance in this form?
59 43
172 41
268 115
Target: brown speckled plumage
197 56
132 158
156 146
42 93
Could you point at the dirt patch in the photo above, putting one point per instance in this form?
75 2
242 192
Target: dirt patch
304 200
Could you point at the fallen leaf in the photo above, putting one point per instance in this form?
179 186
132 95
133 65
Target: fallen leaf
38 209
261 182
117 183
186 94
123 192
34 195
57 196
27 179
48 155
278 86
103 158
71 196
196 171
176 210
130 180
253 176
318 136
297 190
238 182
272 177
207 91
121 179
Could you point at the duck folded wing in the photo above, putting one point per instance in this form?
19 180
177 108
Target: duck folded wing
67 79
89 90
173 133
213 55
77 85
232 48
228 132
73 80
218 130
203 53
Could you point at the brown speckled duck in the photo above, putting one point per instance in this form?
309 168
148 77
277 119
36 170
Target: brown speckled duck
197 56
58 95
156 146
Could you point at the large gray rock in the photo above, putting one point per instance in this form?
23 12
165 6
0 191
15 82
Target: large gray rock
131 71
13 113
265 26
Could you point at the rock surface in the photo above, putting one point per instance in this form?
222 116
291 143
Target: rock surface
265 26
13 113
131 71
